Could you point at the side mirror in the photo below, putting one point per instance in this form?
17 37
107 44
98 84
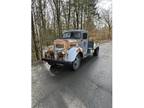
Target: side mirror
84 36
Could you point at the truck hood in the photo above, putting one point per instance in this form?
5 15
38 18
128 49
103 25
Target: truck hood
65 44
67 41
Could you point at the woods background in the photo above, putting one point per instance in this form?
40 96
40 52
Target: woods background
50 18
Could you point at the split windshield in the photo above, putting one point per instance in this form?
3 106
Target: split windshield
72 35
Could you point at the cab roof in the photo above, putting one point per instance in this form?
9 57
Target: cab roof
76 30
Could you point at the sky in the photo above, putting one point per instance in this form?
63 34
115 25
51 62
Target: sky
105 3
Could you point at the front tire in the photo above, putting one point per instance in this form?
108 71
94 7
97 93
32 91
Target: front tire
76 63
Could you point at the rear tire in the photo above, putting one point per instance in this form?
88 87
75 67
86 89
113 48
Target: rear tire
96 52
76 63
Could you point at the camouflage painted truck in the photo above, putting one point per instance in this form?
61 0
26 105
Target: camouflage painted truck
70 49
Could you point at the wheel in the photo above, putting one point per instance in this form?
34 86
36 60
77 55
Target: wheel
54 69
96 52
76 63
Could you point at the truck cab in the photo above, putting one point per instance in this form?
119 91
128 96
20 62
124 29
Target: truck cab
81 36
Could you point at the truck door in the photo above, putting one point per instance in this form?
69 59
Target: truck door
84 43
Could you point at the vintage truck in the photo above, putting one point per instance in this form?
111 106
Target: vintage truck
70 49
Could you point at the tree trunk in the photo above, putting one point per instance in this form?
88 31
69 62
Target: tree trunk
69 13
81 17
77 20
34 40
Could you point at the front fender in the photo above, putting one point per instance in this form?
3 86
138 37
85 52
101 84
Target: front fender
72 53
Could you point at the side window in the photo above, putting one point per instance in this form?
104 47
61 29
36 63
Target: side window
84 35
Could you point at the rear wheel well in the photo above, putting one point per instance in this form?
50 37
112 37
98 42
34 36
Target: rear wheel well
97 48
96 51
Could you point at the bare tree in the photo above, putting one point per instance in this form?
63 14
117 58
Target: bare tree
57 4
106 16
50 17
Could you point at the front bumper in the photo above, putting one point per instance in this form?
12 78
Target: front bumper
53 62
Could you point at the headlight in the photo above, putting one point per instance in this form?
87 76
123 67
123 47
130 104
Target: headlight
63 52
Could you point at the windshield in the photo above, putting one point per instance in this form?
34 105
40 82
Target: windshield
72 35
